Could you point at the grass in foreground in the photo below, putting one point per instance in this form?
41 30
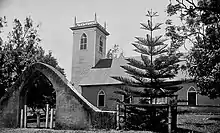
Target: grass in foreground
199 123
186 123
33 130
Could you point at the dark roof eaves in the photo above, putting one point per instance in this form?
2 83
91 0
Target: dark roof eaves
84 85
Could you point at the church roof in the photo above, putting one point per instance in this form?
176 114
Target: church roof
102 72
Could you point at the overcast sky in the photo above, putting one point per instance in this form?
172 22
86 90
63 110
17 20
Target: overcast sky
123 19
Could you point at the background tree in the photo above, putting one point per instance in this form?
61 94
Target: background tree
115 52
2 24
150 76
19 50
201 27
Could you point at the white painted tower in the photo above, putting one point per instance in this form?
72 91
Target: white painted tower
89 46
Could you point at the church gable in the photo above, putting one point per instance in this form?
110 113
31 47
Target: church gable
103 71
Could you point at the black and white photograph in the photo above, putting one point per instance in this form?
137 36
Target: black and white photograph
110 66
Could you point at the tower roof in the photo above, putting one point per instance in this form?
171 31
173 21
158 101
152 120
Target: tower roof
89 24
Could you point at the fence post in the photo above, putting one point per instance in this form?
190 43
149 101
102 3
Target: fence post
125 117
118 117
169 119
22 118
174 114
47 113
25 116
51 118
38 119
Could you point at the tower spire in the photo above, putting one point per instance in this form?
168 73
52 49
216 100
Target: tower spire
95 17
105 25
75 21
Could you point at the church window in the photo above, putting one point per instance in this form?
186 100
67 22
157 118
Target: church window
192 96
101 99
101 44
83 42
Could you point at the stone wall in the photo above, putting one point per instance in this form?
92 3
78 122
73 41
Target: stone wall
73 111
8 112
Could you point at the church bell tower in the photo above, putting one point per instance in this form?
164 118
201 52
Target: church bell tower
89 46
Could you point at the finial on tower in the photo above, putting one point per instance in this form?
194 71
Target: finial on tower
95 17
75 21
105 25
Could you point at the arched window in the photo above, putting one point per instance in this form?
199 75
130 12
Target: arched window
101 99
101 44
192 96
83 42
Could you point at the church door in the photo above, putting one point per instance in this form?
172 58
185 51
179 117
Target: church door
192 98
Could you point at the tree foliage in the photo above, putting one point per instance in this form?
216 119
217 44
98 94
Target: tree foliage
201 26
151 77
19 50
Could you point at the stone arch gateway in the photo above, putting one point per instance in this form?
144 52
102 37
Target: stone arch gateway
73 111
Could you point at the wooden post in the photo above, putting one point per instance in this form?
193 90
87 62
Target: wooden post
25 116
22 118
169 119
51 118
174 114
125 121
118 117
38 119
47 114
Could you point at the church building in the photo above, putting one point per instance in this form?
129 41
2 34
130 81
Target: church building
92 71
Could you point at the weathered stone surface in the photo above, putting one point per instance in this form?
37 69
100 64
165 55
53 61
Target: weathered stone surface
73 111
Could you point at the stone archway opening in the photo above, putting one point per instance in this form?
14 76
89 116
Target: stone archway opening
73 111
37 98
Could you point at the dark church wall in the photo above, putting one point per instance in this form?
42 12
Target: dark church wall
201 100
91 93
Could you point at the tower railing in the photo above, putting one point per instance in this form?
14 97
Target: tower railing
88 23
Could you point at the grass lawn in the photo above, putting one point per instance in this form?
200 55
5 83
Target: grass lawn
32 130
199 123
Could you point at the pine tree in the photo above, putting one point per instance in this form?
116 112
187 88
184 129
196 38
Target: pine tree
152 75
